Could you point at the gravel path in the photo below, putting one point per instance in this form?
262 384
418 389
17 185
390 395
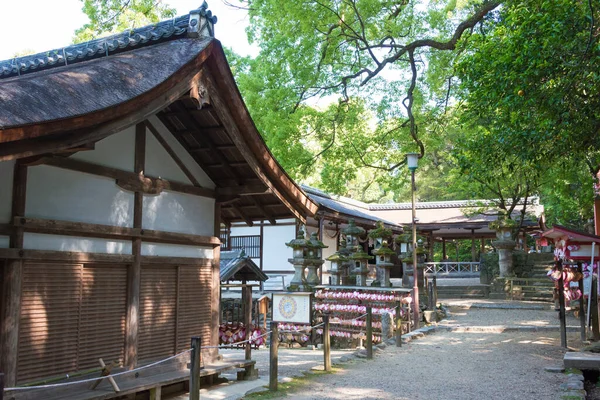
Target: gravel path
457 365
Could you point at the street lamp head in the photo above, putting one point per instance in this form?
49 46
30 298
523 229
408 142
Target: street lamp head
412 160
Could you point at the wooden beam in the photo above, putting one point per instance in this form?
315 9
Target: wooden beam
173 155
263 210
244 190
190 122
82 257
222 110
241 214
128 179
84 229
12 281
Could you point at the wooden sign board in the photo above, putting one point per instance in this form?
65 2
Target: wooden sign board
292 307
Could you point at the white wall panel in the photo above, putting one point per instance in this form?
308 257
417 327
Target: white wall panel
6 179
38 241
115 151
55 193
182 153
174 250
275 252
4 242
331 242
160 164
245 230
178 212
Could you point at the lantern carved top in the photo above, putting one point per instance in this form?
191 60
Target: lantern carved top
360 255
300 242
383 250
352 229
315 242
337 257
380 231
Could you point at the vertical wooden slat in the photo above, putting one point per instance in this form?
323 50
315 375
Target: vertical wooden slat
134 276
103 314
158 293
11 285
48 333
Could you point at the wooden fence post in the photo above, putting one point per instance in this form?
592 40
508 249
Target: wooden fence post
326 344
369 333
195 368
247 301
273 357
399 325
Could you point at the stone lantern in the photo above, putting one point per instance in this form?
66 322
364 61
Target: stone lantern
504 243
344 263
352 232
315 260
384 263
300 259
338 261
379 235
361 267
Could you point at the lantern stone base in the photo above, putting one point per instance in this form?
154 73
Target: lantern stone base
312 278
505 260
298 282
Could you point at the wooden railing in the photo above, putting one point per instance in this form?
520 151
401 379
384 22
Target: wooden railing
450 267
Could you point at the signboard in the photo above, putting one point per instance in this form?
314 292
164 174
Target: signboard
292 307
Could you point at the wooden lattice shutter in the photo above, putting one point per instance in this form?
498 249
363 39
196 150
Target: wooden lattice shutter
48 330
158 306
194 312
103 310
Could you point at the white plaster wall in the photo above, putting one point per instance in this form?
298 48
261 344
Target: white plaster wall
182 153
115 151
586 251
55 193
245 230
4 242
160 164
174 250
179 212
6 180
331 242
275 252
38 241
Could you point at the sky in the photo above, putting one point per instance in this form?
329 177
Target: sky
42 25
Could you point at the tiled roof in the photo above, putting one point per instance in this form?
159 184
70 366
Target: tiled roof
102 47
236 262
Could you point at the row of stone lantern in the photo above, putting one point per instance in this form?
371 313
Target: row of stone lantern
349 265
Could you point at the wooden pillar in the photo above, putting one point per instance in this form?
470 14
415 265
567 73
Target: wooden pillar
473 248
482 251
12 282
134 274
444 255
431 246
320 233
216 284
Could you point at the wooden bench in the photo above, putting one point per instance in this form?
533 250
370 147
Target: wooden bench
130 385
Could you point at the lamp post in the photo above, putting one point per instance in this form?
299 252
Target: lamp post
411 161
